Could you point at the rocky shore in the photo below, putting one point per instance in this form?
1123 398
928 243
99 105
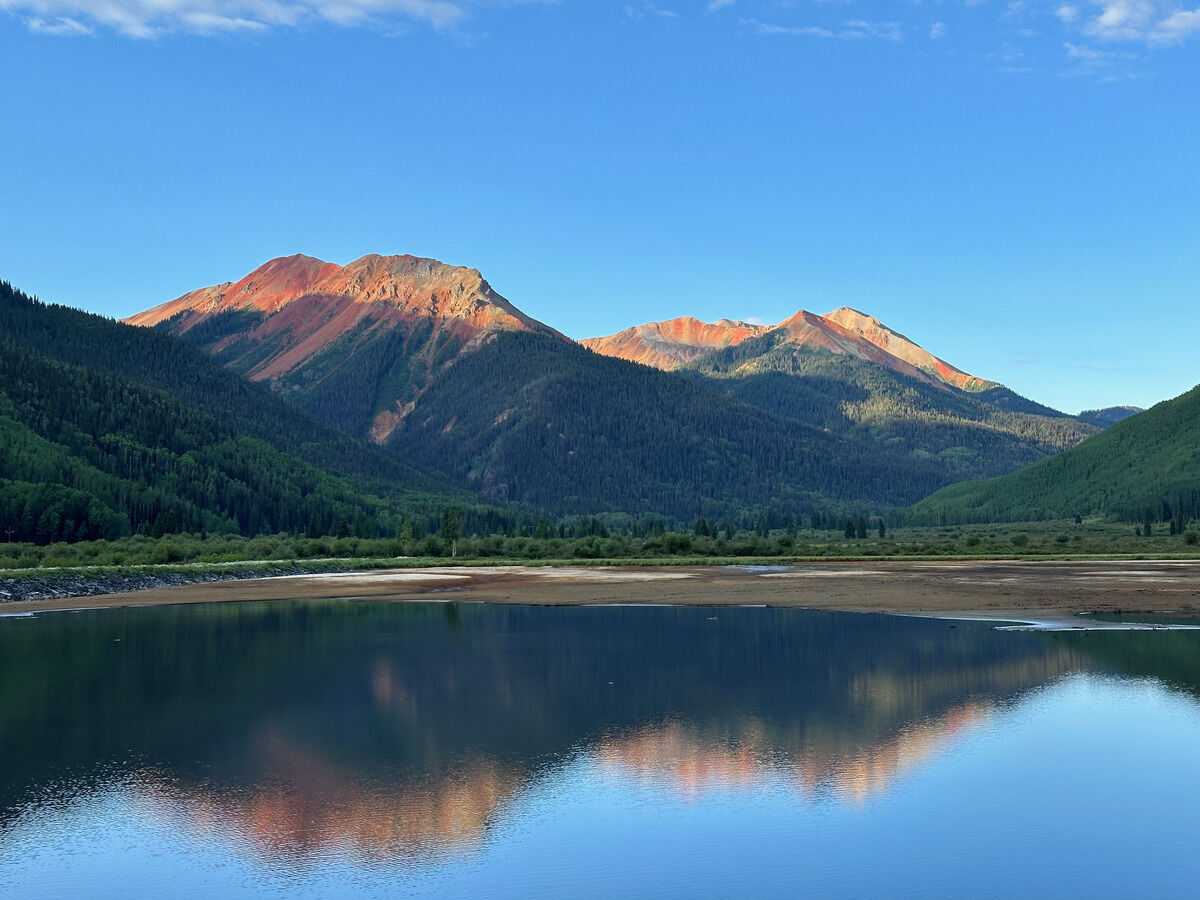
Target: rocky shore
54 586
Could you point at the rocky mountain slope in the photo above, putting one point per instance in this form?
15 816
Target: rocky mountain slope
353 344
668 345
845 331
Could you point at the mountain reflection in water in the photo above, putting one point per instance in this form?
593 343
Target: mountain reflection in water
679 758
389 731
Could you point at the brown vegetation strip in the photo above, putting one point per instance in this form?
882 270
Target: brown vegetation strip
1000 589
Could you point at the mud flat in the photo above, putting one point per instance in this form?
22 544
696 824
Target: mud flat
1024 591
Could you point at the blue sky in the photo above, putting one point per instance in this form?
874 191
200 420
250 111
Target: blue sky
1015 185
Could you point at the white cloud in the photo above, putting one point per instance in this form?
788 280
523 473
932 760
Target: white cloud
1147 21
154 18
637 13
1122 19
714 5
59 25
1108 65
887 31
789 30
1085 54
937 30
1067 13
1182 23
855 29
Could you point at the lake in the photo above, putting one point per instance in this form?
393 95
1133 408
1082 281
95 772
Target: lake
345 749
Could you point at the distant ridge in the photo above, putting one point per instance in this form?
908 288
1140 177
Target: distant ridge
1145 465
667 345
676 342
1109 415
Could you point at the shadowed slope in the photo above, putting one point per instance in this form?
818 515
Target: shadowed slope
1148 462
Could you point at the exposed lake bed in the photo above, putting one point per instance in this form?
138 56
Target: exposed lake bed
1018 590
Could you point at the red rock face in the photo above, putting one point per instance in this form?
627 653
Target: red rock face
671 344
311 320
308 304
409 284
896 344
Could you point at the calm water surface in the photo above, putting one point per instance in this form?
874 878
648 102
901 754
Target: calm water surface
352 749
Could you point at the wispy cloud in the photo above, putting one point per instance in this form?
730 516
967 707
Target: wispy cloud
155 18
60 25
1084 54
1146 21
1107 65
1015 9
853 29
649 10
715 5
1067 13
937 30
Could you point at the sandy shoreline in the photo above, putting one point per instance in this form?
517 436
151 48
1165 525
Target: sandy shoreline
1025 591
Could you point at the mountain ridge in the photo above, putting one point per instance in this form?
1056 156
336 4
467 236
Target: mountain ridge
402 281
429 362
674 343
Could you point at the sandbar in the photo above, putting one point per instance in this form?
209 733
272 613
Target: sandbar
1013 590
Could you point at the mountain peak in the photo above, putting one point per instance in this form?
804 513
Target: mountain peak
311 326
899 346
410 284
844 315
673 342
847 331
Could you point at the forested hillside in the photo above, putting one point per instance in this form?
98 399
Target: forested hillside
550 423
155 359
106 429
968 434
1109 416
1146 467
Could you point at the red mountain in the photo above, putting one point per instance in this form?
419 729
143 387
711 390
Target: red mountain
899 346
676 342
355 342
669 344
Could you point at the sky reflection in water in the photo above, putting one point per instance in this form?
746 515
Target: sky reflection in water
330 749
